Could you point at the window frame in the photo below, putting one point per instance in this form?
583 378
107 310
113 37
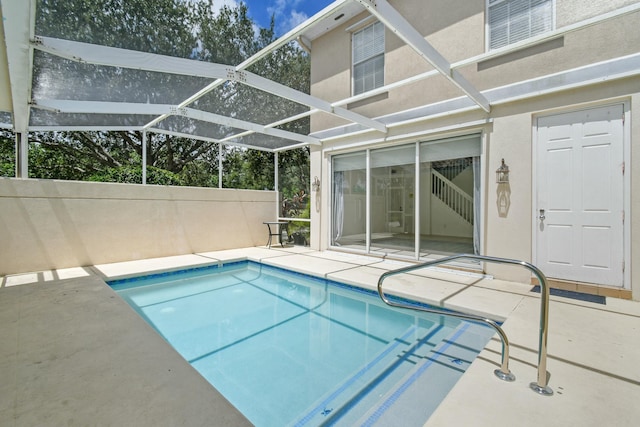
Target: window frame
488 4
354 32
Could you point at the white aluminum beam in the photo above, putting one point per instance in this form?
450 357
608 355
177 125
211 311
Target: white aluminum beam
283 91
57 128
96 107
18 22
116 57
203 138
241 124
395 22
124 58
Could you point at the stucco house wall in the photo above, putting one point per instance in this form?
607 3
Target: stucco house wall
456 29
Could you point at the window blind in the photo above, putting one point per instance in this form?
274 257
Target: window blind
511 21
368 58
451 148
349 162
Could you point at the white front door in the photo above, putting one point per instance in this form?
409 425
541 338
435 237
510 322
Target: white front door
580 205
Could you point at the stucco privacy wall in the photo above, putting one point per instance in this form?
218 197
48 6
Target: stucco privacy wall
47 224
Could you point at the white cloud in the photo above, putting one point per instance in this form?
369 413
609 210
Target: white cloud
296 18
219 4
287 17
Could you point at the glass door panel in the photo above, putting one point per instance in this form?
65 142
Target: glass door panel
392 200
349 201
449 192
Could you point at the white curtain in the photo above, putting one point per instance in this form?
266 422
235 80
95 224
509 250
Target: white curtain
338 206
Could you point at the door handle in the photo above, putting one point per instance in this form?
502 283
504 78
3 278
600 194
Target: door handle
542 217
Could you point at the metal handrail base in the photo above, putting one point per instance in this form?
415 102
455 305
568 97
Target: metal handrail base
545 391
503 373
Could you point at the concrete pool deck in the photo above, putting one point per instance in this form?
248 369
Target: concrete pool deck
73 353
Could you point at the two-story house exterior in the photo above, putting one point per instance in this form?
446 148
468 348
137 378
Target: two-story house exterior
549 89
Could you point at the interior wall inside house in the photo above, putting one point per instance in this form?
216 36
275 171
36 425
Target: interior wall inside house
48 224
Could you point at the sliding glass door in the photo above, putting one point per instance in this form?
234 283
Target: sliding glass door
435 214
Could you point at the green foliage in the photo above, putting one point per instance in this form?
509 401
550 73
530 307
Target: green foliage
292 207
7 154
158 26
133 175
293 171
248 169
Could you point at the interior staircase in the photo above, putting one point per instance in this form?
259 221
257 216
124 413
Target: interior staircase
442 187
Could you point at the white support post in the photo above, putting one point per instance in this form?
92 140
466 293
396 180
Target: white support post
367 202
220 148
276 184
144 157
22 155
416 202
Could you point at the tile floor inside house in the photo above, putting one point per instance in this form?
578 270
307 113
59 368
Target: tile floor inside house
73 353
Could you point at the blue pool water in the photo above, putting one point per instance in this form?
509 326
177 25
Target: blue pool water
288 349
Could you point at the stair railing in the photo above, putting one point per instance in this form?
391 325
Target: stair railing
452 195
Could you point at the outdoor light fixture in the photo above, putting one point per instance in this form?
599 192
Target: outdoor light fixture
502 174
315 186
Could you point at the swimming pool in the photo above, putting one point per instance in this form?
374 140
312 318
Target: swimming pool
290 349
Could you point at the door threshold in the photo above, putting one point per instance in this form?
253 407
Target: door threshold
586 288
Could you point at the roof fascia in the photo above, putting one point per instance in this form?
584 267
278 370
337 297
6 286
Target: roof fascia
292 34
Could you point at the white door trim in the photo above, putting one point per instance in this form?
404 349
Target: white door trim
626 132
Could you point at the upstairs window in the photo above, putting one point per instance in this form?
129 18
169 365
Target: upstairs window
368 58
511 21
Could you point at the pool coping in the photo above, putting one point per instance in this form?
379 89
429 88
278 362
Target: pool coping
593 370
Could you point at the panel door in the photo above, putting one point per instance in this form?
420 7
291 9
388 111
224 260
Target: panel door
580 205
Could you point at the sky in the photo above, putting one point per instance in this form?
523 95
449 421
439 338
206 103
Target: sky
288 13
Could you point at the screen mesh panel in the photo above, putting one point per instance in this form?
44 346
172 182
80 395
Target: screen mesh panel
243 102
188 126
260 140
59 78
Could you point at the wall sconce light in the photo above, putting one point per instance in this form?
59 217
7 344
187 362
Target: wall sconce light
502 174
315 186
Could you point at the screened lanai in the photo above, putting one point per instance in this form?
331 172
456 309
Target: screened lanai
57 79
65 71
59 76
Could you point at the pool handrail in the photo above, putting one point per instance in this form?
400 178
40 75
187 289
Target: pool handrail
503 373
